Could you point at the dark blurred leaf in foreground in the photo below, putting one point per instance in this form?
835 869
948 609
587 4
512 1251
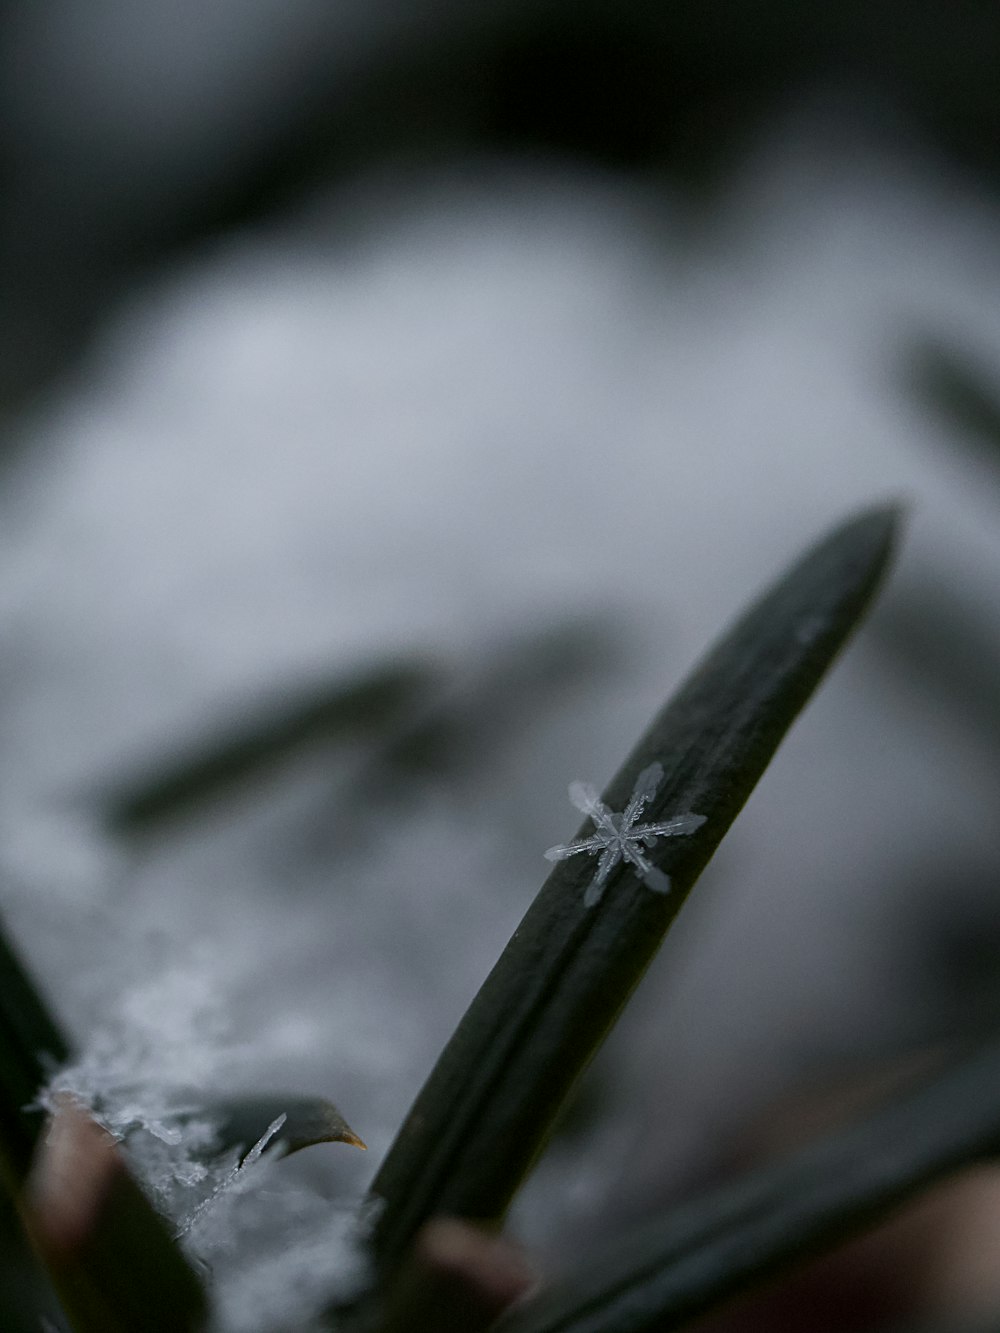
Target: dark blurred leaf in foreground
710 1249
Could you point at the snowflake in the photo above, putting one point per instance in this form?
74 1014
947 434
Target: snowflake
617 837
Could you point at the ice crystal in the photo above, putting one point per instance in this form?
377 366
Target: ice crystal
618 837
235 1177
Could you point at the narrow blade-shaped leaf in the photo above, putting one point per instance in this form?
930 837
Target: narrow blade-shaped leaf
712 1248
256 743
31 1046
490 1101
478 709
126 1257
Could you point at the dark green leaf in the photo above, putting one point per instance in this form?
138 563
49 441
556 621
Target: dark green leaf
241 1122
713 1248
478 711
490 1101
31 1046
267 734
127 1272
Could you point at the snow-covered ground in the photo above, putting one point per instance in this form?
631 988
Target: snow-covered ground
464 421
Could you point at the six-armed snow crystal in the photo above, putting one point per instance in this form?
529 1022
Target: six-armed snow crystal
617 837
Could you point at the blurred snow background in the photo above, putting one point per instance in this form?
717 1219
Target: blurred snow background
411 491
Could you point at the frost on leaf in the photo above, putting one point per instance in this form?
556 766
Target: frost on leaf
618 837
237 1175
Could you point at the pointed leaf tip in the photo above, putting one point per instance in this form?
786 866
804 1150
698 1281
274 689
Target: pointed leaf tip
240 1121
875 531
890 517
